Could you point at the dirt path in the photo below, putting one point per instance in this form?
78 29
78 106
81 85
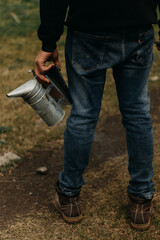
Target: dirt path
26 195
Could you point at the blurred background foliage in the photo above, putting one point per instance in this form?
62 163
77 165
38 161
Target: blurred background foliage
18 17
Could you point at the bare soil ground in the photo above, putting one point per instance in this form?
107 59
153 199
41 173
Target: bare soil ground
26 198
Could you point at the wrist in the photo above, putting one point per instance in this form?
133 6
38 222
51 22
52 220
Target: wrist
48 47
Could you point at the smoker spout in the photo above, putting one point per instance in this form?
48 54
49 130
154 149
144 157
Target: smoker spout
23 90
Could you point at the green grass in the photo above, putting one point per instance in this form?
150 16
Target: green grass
26 11
4 129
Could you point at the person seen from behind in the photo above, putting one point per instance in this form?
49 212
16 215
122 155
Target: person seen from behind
102 35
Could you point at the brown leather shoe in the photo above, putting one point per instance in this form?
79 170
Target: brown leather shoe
68 206
140 210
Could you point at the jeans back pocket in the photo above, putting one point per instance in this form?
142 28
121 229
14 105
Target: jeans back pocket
88 51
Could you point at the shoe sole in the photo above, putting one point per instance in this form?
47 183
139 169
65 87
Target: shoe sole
68 219
140 227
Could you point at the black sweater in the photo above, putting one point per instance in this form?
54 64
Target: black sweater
92 16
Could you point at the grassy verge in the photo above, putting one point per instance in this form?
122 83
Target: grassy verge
18 17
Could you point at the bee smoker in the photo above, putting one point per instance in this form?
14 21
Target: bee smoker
46 102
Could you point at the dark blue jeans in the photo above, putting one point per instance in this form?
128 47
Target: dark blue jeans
129 52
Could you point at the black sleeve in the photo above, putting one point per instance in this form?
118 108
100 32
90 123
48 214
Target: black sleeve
52 15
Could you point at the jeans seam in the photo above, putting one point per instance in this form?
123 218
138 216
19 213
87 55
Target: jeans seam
123 46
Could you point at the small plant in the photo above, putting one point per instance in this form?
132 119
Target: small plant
11 165
4 129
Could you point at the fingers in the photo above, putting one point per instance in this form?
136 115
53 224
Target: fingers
40 73
57 63
41 69
55 58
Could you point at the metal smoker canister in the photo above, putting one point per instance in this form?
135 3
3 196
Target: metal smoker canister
40 100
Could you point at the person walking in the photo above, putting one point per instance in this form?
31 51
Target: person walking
102 35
